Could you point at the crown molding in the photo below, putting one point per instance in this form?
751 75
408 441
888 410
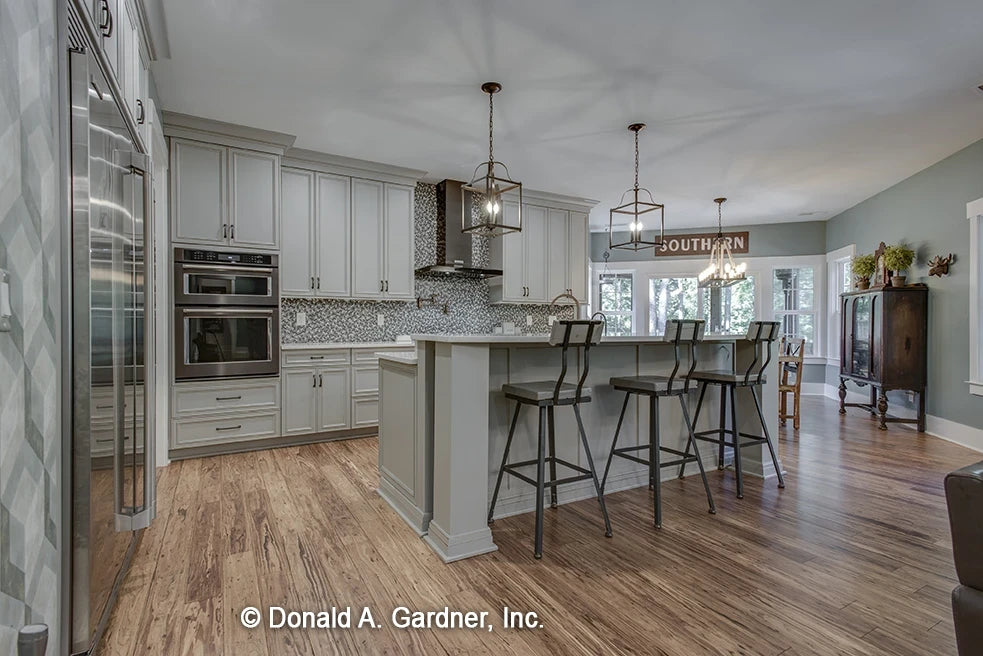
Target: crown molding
349 166
225 134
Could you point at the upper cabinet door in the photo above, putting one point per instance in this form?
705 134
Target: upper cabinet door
398 244
254 191
557 254
334 242
297 269
513 257
578 237
198 193
534 230
368 277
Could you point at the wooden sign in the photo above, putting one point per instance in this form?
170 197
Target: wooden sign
699 243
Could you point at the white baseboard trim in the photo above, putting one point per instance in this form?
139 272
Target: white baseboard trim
950 431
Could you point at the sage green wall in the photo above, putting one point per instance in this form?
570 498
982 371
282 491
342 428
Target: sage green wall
928 212
766 240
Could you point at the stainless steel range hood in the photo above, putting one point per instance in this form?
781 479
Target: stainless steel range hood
454 256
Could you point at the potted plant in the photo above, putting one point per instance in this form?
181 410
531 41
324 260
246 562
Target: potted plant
898 259
863 267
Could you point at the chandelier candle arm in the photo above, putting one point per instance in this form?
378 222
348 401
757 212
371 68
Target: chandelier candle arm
634 209
721 271
496 198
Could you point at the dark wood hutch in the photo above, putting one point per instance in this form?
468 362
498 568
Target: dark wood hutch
884 344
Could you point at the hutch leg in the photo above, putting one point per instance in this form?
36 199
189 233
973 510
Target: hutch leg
882 409
842 396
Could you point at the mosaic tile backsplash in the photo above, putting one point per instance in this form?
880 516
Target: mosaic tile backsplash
469 311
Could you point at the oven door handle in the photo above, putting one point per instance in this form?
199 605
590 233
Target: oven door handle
211 312
223 268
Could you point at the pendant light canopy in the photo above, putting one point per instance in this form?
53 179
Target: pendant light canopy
635 209
490 190
721 272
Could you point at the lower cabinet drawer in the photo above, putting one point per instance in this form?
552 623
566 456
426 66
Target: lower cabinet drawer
224 396
101 438
103 401
193 432
365 379
365 411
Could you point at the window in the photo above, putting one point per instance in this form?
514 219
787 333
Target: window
614 292
671 298
839 280
794 303
729 310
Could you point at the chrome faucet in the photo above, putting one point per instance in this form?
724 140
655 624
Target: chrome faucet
565 295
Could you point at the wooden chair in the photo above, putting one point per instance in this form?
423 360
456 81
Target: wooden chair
791 356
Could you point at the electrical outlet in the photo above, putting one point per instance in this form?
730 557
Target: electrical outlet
381 320
529 320
301 319
550 320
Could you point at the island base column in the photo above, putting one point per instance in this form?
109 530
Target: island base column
459 528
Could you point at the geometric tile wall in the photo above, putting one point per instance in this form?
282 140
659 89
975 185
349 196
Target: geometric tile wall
468 308
30 361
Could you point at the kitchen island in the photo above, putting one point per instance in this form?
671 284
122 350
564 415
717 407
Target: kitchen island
460 419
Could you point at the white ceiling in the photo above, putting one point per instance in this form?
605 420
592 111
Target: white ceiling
787 107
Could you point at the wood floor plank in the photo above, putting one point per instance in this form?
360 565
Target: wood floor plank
853 557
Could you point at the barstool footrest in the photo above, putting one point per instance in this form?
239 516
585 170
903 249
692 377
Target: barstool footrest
683 457
585 474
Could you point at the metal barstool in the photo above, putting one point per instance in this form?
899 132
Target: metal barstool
546 395
762 334
688 332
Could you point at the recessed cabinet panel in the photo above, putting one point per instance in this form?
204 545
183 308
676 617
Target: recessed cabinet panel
297 268
334 394
534 229
367 230
398 242
513 278
333 236
557 257
255 184
365 411
198 192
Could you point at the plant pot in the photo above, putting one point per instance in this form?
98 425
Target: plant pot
898 281
863 283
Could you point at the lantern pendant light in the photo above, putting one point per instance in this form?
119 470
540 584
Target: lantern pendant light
497 198
635 209
721 272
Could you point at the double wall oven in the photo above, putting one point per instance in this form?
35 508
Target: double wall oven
226 314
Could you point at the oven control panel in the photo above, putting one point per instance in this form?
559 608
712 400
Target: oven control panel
219 257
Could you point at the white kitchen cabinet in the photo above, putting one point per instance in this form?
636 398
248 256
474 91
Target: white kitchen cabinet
128 72
334 398
522 257
300 401
365 411
558 255
398 242
224 196
334 229
298 260
198 193
221 414
382 240
578 236
368 279
254 195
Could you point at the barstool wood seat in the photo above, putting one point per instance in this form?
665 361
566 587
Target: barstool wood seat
655 387
546 395
762 334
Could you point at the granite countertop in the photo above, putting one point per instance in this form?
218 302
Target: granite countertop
544 339
346 345
400 358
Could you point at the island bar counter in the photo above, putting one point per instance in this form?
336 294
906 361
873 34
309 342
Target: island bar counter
461 412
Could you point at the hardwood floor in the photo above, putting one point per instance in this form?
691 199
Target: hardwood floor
853 557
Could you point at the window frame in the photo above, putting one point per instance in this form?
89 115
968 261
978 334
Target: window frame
974 213
834 284
815 312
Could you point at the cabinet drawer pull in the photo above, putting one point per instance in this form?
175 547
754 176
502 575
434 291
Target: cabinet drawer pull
314 376
387 285
106 26
228 398
104 407
142 115
232 231
225 231
320 380
312 282
319 282
382 286
228 428
317 357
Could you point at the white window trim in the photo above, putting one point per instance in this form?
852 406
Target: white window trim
596 291
974 213
761 268
833 261
818 311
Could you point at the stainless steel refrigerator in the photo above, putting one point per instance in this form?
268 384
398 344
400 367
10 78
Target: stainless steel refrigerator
112 398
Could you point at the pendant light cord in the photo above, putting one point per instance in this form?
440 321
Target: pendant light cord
636 161
720 224
491 114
